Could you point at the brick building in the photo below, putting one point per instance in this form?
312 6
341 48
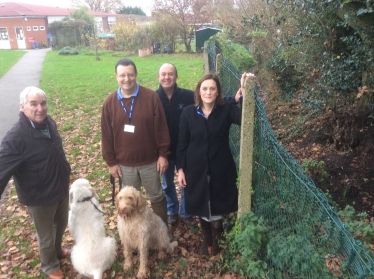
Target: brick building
25 26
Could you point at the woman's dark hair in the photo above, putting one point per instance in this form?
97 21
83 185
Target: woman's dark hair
197 97
125 62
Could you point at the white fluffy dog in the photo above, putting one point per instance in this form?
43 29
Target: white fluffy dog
140 229
92 253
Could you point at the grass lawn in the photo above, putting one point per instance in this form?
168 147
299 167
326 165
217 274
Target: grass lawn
8 58
76 87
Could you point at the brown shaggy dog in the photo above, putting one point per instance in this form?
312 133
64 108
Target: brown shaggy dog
139 228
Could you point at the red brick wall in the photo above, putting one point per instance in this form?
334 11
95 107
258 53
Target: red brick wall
39 35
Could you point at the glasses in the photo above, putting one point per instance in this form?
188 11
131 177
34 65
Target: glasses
129 76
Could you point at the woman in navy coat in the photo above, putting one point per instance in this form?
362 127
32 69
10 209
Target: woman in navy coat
205 165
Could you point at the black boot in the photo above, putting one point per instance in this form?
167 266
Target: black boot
207 233
217 233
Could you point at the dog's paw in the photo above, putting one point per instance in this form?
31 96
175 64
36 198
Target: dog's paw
127 265
172 246
161 255
142 274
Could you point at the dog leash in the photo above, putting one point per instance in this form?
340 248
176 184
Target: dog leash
113 182
98 209
90 200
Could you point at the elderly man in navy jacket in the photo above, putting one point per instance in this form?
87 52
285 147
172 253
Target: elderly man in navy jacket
32 153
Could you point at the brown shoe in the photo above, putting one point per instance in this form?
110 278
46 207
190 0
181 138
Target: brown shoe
172 220
65 252
190 222
56 275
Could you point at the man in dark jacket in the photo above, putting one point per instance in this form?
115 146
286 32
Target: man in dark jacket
174 99
32 153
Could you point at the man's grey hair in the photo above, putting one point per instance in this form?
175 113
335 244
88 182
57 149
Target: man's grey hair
32 91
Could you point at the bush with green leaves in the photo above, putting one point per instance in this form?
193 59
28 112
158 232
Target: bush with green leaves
317 171
322 49
360 225
246 245
68 51
293 253
286 73
237 54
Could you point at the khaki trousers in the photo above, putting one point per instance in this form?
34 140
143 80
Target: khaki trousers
146 176
50 222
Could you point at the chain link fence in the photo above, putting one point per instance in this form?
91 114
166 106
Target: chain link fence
307 239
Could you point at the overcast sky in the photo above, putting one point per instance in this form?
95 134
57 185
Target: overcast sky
144 4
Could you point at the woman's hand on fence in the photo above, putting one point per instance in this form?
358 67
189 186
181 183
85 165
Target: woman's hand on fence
244 78
239 93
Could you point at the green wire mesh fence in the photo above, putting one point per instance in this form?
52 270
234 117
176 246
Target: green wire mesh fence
307 239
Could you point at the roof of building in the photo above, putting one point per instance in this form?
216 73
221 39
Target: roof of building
13 9
207 27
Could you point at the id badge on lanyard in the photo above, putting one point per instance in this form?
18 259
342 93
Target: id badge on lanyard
128 127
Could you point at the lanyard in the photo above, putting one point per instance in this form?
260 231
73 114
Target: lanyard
129 114
199 112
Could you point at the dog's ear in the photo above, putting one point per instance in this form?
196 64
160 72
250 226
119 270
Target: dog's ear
140 202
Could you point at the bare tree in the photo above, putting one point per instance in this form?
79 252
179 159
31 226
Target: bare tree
186 14
100 5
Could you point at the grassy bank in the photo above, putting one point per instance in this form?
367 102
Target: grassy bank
8 58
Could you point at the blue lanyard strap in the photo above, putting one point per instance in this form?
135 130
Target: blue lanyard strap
129 115
200 112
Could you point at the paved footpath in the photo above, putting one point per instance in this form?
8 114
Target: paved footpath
26 72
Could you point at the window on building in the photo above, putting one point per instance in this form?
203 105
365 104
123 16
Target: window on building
111 23
19 33
28 28
3 33
35 28
42 28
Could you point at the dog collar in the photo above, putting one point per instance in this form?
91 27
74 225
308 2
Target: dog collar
85 199
90 199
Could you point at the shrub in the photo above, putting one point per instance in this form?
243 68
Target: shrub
246 244
360 225
286 73
237 54
317 171
68 51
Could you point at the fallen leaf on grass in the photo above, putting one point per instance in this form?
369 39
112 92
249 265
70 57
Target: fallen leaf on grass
333 263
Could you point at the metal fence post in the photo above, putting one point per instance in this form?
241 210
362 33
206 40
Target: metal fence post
206 58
